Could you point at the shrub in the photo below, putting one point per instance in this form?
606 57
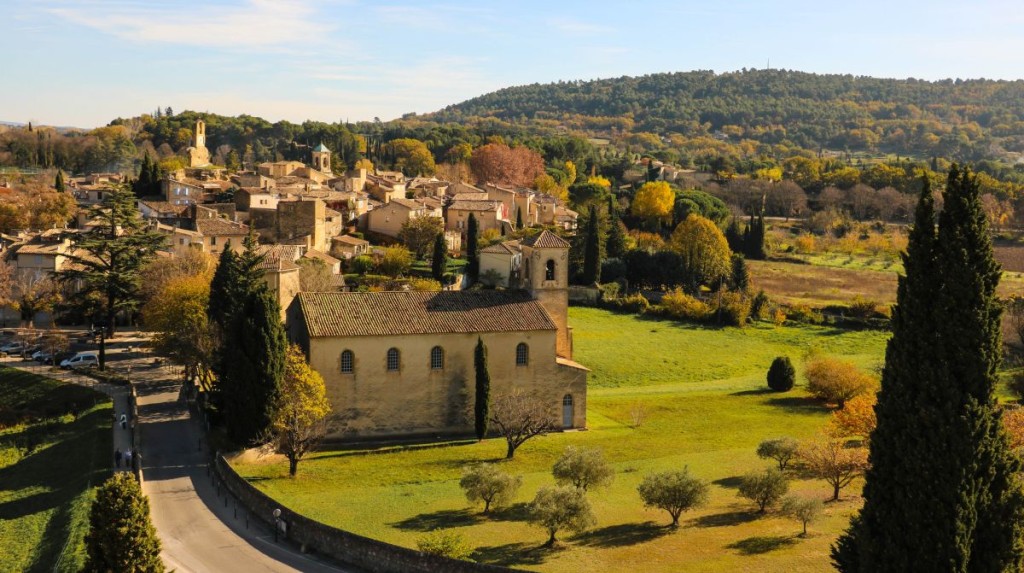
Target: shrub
857 419
486 483
444 543
836 381
803 313
361 265
759 305
673 491
782 450
781 374
734 309
426 285
635 303
679 305
764 488
804 244
1016 385
778 316
861 308
121 536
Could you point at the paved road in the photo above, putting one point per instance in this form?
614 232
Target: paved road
199 530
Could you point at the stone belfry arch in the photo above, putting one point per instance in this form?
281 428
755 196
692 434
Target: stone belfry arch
198 154
322 159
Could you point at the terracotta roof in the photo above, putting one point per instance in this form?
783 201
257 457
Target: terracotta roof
315 254
471 197
546 240
164 207
218 227
407 203
504 248
350 240
278 257
396 313
474 205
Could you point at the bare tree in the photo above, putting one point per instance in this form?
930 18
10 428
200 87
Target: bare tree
829 198
520 416
787 199
34 293
315 276
831 460
7 285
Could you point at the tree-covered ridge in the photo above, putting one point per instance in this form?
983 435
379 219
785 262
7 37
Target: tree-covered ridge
950 118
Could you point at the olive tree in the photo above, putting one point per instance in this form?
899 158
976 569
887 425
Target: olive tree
764 488
583 468
782 450
673 491
561 507
486 483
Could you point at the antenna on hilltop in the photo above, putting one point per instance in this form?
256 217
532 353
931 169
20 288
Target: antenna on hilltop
769 64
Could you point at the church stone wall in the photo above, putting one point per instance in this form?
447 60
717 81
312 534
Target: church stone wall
417 400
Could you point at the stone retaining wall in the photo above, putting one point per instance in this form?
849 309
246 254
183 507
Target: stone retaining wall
363 552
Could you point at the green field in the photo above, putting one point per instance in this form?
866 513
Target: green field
45 496
703 391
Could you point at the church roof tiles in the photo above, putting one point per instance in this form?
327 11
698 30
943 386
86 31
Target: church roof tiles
336 314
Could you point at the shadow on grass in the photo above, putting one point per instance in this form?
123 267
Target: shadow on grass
623 534
757 392
762 544
723 519
512 554
799 405
732 482
439 520
515 512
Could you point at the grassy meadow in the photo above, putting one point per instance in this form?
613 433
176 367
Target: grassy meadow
706 407
45 495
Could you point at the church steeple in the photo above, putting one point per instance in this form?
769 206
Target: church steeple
322 159
546 274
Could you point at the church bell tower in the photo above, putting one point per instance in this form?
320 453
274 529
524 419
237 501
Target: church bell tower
547 278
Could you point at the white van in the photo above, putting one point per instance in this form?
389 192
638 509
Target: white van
81 360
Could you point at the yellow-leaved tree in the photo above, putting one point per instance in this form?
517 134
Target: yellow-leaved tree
857 419
704 251
300 415
412 157
653 202
176 314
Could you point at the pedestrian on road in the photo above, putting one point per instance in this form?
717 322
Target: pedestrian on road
124 422
128 458
117 457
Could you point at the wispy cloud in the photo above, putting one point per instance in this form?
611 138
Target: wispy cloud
248 24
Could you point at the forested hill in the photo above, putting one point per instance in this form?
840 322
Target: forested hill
952 118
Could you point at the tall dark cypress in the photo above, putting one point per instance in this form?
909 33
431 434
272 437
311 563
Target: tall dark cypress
256 355
939 495
472 250
482 408
439 260
592 248
519 218
58 182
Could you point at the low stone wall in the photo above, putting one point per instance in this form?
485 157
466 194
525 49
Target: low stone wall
363 552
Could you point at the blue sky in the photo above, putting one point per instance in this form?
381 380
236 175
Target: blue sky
85 62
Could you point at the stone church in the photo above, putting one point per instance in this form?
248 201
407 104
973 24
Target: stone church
401 363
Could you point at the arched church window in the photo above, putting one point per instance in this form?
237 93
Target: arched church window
437 358
393 360
347 362
522 354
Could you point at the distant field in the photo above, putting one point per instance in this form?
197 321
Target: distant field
703 390
45 497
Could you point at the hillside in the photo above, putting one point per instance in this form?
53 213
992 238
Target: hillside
970 119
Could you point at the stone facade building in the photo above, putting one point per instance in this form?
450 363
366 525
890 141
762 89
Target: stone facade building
401 363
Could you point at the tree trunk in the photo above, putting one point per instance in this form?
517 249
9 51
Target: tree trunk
487 505
835 492
511 451
551 540
293 466
675 519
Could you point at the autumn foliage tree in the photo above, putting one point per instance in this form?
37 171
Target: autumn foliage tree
857 419
503 165
830 459
653 203
177 317
412 157
703 250
836 381
299 420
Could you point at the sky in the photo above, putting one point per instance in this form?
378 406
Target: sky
83 63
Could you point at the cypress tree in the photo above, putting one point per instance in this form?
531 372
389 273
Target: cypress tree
154 178
439 261
482 409
255 358
740 276
121 536
58 183
592 249
519 218
940 494
222 290
472 250
735 237
142 184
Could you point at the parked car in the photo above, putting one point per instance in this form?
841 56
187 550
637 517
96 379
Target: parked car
82 360
59 357
11 348
38 355
28 351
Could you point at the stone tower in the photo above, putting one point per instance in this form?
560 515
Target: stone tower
322 159
546 276
198 154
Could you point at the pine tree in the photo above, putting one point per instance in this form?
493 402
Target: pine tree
121 536
472 250
739 277
482 409
592 248
942 473
107 263
439 260
58 183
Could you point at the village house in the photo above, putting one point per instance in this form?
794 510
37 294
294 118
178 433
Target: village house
489 215
349 247
388 219
401 363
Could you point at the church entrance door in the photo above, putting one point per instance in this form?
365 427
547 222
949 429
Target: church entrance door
567 411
